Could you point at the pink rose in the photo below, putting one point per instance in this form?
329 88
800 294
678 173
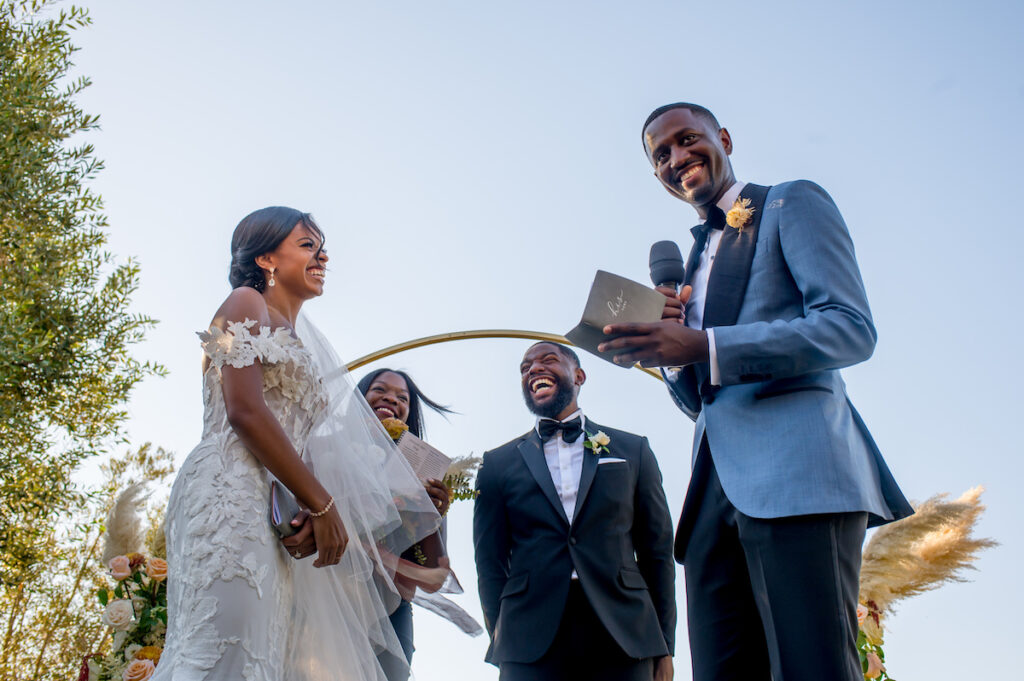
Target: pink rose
157 569
139 670
120 567
862 614
875 667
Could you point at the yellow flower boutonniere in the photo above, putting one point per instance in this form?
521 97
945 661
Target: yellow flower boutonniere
740 215
597 443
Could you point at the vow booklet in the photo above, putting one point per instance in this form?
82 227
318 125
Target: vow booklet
614 300
426 461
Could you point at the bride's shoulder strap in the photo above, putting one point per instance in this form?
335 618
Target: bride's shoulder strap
240 332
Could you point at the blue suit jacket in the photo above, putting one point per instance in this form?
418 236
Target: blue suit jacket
788 308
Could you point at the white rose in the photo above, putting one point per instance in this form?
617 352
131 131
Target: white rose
601 439
119 614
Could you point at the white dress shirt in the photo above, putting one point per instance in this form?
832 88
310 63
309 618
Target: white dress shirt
565 463
699 281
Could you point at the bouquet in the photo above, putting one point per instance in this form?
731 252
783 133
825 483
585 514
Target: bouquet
135 609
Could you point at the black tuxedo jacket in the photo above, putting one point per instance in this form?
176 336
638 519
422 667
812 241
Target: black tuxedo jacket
620 544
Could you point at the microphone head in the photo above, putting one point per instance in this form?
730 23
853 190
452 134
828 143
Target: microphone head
666 263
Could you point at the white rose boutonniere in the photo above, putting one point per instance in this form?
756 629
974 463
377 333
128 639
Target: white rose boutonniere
740 215
597 442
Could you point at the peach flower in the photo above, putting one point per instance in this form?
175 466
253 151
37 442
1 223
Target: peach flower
139 670
120 568
157 569
862 614
875 667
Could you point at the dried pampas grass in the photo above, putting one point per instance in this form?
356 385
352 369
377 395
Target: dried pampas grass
920 553
125 533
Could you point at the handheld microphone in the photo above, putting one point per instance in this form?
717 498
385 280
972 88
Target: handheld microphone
667 265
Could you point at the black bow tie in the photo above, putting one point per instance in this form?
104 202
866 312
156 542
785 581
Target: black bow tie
571 430
716 220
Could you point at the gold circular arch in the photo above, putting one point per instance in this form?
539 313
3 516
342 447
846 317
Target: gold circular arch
469 335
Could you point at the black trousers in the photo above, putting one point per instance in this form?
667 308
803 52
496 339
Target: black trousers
768 599
582 650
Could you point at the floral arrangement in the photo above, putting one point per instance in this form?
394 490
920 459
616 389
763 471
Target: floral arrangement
911 556
459 478
135 608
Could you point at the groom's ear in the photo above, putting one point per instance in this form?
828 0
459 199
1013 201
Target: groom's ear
726 140
579 376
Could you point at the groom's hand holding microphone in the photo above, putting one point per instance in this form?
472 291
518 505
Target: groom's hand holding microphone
668 342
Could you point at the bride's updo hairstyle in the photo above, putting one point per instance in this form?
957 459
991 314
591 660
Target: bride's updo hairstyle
261 232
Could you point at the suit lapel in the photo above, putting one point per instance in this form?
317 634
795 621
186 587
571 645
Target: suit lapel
589 470
533 455
693 259
731 272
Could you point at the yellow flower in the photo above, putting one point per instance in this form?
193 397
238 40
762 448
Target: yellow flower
740 214
149 653
395 427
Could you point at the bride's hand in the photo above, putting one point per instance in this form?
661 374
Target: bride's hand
331 538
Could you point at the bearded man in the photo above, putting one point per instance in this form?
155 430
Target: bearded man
573 541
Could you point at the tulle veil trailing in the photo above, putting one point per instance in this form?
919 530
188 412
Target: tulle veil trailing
340 614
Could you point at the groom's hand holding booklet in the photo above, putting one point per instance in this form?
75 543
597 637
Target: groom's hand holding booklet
614 300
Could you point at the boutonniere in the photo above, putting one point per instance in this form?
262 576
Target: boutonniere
740 215
597 443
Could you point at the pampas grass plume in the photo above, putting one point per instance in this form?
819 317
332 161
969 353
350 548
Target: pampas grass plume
125 533
920 553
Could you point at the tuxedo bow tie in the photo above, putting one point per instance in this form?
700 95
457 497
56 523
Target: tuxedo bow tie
570 430
715 220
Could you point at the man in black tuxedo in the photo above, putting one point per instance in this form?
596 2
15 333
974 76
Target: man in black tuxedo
573 542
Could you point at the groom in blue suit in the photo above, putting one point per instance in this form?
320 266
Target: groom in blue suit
786 477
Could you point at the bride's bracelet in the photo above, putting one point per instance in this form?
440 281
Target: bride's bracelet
324 511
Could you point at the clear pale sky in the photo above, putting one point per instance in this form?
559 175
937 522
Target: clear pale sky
473 163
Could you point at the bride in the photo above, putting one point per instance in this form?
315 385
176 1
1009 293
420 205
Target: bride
279 406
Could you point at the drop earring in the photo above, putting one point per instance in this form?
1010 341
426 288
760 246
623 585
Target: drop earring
271 282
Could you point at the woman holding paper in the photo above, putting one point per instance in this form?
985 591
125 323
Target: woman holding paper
394 395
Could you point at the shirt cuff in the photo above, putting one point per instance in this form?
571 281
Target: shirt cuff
716 375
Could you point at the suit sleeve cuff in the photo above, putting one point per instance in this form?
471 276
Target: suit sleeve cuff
716 375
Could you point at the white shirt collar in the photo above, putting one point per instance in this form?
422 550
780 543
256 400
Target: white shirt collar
730 196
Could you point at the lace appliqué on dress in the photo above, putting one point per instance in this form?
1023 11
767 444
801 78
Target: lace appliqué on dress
231 594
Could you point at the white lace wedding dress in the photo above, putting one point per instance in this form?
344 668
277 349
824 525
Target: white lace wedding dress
239 606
